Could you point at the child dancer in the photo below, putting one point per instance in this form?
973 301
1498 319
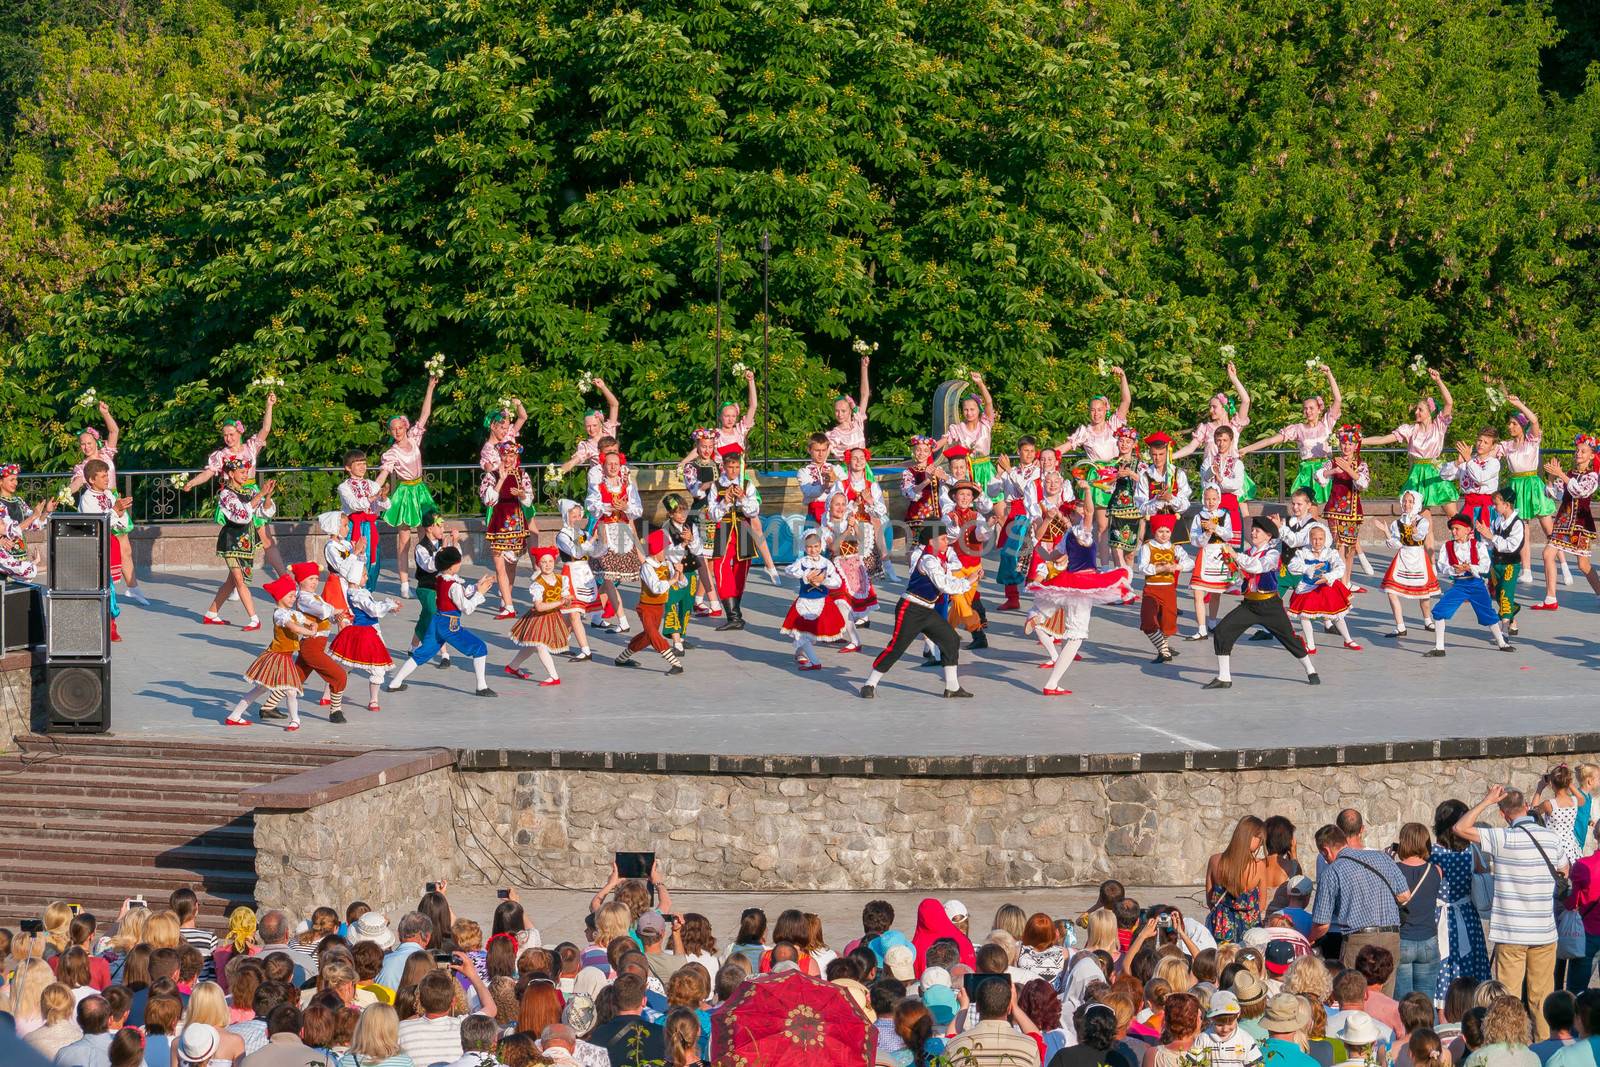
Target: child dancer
1020 489
700 470
1507 536
1224 413
1073 584
1310 436
920 483
974 432
503 426
871 512
614 501
542 629
849 429
1048 625
1424 441
814 615
1261 605
1163 486
656 575
16 518
928 584
89 444
237 541
1466 560
274 672
686 550
1477 472
343 558
1320 592
1226 472
734 500
360 499
856 595
1410 573
817 479
1346 477
236 446
453 598
508 493
969 537
313 655
100 498
1161 561
576 547
424 558
596 428
1520 453
359 644
1100 443
1293 535
409 500
732 430
1211 575
1572 532
1126 515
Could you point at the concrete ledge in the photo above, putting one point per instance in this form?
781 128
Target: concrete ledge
323 785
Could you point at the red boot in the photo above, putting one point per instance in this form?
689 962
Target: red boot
1011 603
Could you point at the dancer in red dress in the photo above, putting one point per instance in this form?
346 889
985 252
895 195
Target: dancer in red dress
1320 593
814 616
1073 583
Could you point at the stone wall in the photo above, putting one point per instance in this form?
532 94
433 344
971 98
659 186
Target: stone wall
16 697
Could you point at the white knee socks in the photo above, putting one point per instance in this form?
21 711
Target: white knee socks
479 665
951 682
1223 673
1049 644
804 649
1310 638
1343 628
403 673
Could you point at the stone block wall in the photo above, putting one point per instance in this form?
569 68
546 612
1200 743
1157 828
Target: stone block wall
16 697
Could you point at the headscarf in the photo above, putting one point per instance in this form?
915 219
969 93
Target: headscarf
241 929
1411 512
934 925
331 522
564 508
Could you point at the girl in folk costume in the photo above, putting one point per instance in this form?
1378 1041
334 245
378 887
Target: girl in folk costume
274 673
732 430
359 644
575 547
453 598
1226 472
100 498
920 484
542 629
1519 452
1424 441
1410 573
243 508
1213 573
1572 531
1346 477
974 432
1126 515
1046 545
969 538
687 549
856 596
248 449
818 478
90 445
433 538
1477 473
1100 444
849 429
1072 584
1507 536
614 501
1320 591
344 557
1310 437
16 519
1466 560
1224 414
596 427
1261 606
734 500
361 499
700 470
509 495
1020 488
814 615
1161 561
410 499
313 655
869 509
503 426
656 575
1163 486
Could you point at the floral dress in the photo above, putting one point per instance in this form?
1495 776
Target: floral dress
1465 955
1230 916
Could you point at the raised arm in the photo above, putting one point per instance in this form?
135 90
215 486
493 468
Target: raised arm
613 406
866 387
1188 449
266 418
1244 394
983 391
1385 439
1449 408
1467 826
1126 400
427 403
1534 429
1335 397
522 418
1265 442
113 431
752 400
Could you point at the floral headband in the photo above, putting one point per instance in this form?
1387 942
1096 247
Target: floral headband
704 433
846 399
1100 397
1431 404
1587 439
497 415
235 463
1351 431
91 431
235 423
388 419
596 412
8 469
1227 402
509 448
1125 433
1320 402
919 439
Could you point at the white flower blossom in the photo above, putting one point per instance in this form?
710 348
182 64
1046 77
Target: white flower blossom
1228 352
434 366
179 480
64 498
1419 365
88 398
1497 399
267 382
739 369
585 382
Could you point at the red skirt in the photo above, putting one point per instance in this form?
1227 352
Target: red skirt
1230 504
1323 602
360 647
276 671
1094 587
541 628
827 626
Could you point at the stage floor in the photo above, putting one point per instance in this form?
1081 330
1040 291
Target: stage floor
173 677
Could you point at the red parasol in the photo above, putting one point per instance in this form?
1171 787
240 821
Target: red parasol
788 1019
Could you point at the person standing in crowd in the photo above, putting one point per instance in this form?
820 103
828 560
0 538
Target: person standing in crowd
1233 883
1417 965
1359 894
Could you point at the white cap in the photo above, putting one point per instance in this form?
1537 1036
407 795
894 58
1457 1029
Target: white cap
901 962
933 976
198 1043
954 909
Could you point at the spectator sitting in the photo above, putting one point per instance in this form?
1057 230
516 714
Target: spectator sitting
1424 1049
1416 1013
273 928
993 1041
1224 1042
434 1035
886 993
1363 1036
1560 1019
161 1017
627 1037
57 1006
93 1049
377 1040
1350 992
239 941
652 931
843 972
750 941
1251 992
416 930
284 1047
197 1047
164 963
185 904
479 1037
1506 1036
559 1045
81 934
1376 965
1286 1019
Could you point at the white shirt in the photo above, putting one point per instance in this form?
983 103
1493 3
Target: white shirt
429 1041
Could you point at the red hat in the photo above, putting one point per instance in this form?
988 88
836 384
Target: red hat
1163 521
1460 520
1160 437
542 550
730 450
302 571
656 543
280 587
957 452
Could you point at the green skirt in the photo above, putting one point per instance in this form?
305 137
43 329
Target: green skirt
982 471
1425 481
1249 490
1306 478
679 609
1532 500
408 501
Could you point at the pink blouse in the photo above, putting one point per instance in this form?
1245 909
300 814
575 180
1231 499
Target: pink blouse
107 453
1312 440
736 435
1099 445
588 450
1206 433
842 439
405 458
247 450
489 454
975 441
1424 443
1522 458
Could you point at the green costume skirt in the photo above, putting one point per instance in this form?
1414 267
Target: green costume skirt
408 501
1306 478
1426 482
1532 500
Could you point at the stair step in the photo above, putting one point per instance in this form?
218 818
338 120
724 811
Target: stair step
165 772
20 899
55 805
126 879
16 852
276 755
77 835
111 789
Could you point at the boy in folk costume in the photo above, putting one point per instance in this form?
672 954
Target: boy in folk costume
16 519
508 494
274 673
1226 471
687 549
238 539
1477 473
969 537
818 478
410 499
1347 476
453 598
1319 589
432 538
1163 486
1160 560
656 575
542 629
100 498
1294 534
576 546
359 644
815 615
1467 560
928 585
614 501
734 500
1020 487
1410 573
1572 533
860 487
1505 532
1211 574
1072 584
361 499
313 655
1261 606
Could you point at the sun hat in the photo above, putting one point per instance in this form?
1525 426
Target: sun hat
933 976
954 909
579 1013
1358 1028
1286 1013
1248 988
198 1043
374 927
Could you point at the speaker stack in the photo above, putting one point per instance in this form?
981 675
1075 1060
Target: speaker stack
77 628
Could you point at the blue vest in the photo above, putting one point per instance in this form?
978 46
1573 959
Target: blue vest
1079 557
919 585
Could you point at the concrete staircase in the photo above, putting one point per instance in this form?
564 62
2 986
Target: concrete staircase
94 820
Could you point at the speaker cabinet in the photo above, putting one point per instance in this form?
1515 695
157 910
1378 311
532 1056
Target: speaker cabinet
77 627
77 698
79 559
21 616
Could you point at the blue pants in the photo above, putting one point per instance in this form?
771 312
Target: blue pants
1472 591
447 630
1579 971
1418 967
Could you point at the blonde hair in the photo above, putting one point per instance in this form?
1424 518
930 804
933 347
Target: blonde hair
611 922
467 935
26 987
377 1035
1507 1023
130 929
1309 977
1588 776
161 931
1012 919
1174 970
207 1004
1488 992
1227 952
57 921
1004 939
56 1003
1102 931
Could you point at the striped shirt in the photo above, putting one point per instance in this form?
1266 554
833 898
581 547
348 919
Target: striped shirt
1524 890
204 940
429 1041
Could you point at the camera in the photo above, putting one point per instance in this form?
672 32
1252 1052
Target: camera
431 887
503 894
443 959
32 926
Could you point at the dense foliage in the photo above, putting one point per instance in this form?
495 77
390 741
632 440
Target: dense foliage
1036 191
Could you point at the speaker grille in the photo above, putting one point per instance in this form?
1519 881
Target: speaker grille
76 693
77 554
76 627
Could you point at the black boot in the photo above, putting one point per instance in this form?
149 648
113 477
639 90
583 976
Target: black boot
980 639
735 619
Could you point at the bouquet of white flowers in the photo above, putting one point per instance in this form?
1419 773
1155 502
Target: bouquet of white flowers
434 366
1495 396
739 369
88 399
1419 365
179 480
268 382
64 498
1314 364
1228 352
862 348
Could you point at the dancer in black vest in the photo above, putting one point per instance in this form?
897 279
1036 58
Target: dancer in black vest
1258 570
921 611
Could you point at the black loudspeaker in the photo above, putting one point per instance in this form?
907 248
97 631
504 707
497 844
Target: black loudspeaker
21 616
79 553
77 698
77 627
